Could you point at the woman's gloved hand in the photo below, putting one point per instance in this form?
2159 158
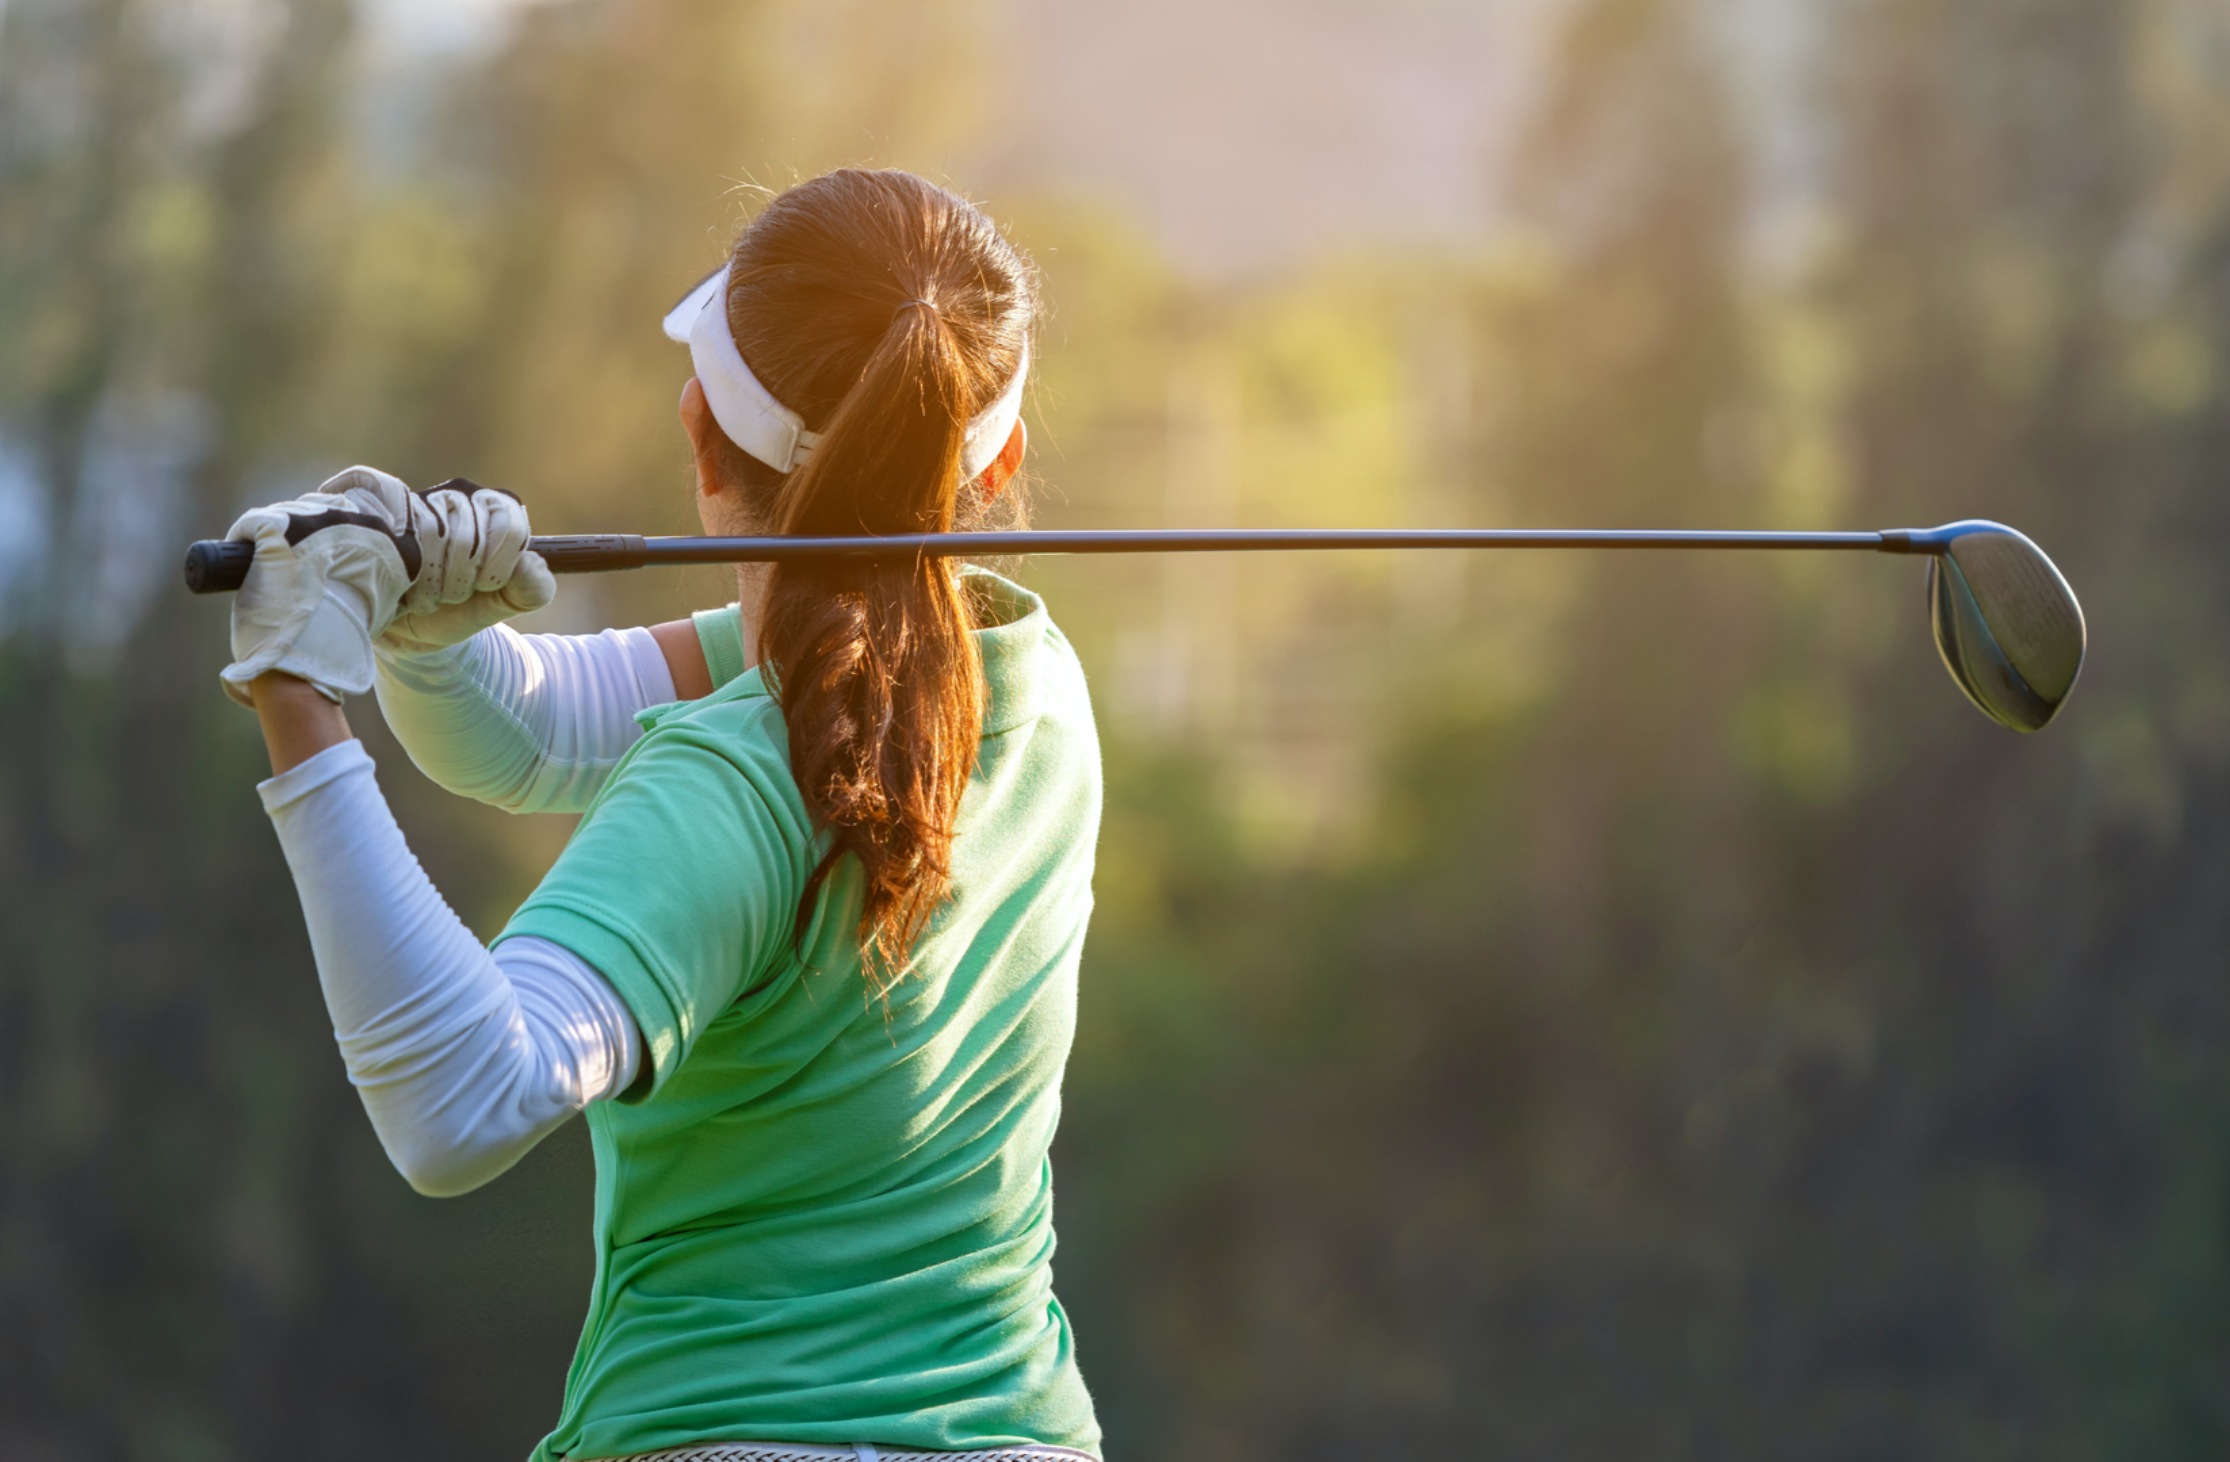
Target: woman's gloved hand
313 608
478 569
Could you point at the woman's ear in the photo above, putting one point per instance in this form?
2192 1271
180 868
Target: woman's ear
1009 461
718 500
696 419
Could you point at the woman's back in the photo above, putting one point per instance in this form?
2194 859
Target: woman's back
808 964
833 1219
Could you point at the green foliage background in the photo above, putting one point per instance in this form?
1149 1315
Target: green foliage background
1537 1009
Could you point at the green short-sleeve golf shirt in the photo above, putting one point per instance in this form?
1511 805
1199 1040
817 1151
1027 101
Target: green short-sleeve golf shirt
818 1220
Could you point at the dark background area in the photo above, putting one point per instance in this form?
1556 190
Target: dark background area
1575 1009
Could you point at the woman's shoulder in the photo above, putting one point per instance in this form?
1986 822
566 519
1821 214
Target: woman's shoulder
744 710
1030 669
737 730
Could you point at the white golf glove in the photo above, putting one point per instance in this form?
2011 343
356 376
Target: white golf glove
478 569
313 608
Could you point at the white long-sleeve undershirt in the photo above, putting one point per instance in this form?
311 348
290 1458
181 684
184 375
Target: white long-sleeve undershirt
528 723
464 1058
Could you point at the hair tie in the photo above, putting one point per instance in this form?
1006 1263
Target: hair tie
929 305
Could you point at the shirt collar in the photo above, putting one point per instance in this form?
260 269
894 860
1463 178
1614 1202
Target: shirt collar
1010 648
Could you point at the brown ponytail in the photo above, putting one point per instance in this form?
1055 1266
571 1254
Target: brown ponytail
887 312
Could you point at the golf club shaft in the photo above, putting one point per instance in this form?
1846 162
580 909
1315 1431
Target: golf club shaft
214 567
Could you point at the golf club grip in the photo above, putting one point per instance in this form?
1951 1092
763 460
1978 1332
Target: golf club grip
220 565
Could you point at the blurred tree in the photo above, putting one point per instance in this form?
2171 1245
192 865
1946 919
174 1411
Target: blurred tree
183 1216
1737 1049
1424 1098
1713 1041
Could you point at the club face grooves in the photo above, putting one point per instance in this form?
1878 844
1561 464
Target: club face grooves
1972 649
2029 608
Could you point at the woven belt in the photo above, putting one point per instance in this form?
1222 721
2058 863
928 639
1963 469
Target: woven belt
779 1452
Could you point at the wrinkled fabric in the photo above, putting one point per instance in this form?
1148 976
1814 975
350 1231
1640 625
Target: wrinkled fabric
464 1060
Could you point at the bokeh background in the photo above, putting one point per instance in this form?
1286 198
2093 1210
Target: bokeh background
1540 1006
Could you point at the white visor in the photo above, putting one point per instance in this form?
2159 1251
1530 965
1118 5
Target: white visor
773 433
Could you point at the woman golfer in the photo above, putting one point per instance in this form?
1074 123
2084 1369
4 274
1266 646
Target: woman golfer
809 962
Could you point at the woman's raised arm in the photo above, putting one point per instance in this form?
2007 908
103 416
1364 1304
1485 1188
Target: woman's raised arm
528 723
464 1059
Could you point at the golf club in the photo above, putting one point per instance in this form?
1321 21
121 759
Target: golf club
2005 621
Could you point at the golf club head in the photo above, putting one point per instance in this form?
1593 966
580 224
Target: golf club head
2005 621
